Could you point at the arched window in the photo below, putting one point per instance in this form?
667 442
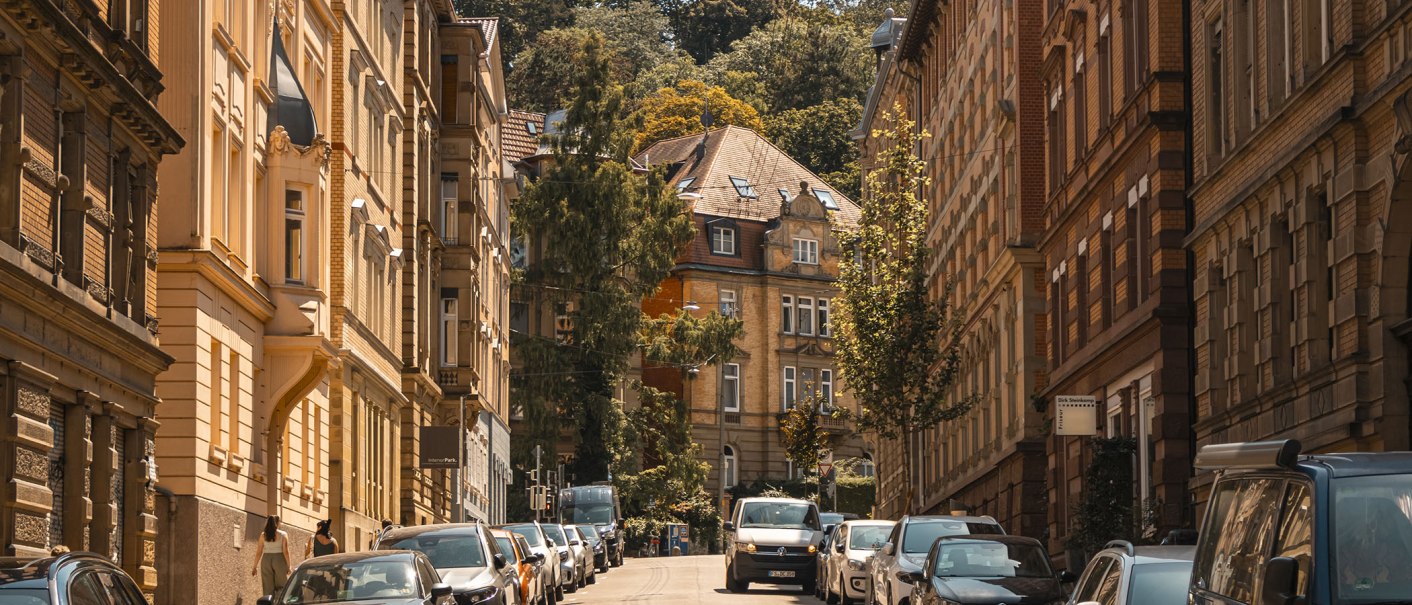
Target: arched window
730 468
866 468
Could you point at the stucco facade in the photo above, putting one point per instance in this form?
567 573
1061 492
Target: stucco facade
80 144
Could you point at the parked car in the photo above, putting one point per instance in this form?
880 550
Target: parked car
397 577
852 545
539 543
987 569
568 564
466 557
906 548
772 541
1123 574
597 551
596 507
822 558
80 577
526 564
1281 527
583 555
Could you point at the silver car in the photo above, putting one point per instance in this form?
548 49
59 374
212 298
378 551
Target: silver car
534 534
586 555
845 568
906 549
1127 575
568 565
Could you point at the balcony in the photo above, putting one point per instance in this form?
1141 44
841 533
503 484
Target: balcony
457 380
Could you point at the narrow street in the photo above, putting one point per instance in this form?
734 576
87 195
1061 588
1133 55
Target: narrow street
679 581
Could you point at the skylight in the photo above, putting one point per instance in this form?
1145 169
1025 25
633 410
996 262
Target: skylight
743 187
532 128
826 197
683 184
784 194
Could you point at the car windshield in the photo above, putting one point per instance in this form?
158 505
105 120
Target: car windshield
967 559
555 533
779 515
830 518
355 581
589 534
599 514
1373 549
445 551
1160 583
868 537
919 535
507 548
528 533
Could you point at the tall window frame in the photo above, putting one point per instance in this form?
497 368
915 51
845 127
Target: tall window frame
729 398
730 306
787 313
804 315
450 313
806 251
789 393
295 236
821 326
723 240
450 211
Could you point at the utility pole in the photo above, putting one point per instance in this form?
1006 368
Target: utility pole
534 490
460 513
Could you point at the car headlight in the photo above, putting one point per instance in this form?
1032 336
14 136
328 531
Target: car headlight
746 546
484 594
855 565
813 549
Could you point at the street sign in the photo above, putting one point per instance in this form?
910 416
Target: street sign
440 447
824 468
1075 415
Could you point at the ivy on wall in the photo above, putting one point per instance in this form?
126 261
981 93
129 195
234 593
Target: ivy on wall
1106 508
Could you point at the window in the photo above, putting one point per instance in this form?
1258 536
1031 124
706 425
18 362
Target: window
685 183
1277 51
1105 75
532 128
1318 35
823 323
1080 110
723 240
784 195
787 313
1244 68
294 236
1295 539
730 387
804 315
729 306
450 81
826 387
1215 80
789 390
866 468
806 251
826 198
448 331
743 188
1056 140
449 218
218 394
728 454
1241 518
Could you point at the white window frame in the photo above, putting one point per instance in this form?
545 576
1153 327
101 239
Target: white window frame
295 220
743 188
821 324
787 313
804 315
806 251
449 212
719 240
826 387
789 393
450 309
730 383
731 471
730 304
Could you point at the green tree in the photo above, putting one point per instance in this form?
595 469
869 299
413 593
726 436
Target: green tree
546 72
803 60
804 436
707 27
818 137
520 21
674 112
636 30
897 347
1106 511
609 236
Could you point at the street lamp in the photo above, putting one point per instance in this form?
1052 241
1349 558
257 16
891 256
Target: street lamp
691 306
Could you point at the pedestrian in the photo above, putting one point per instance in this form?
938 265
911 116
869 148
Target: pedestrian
321 543
272 557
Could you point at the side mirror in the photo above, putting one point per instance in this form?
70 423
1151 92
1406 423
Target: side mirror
266 600
728 526
838 547
536 558
440 590
889 549
1281 574
1067 577
576 543
500 561
550 543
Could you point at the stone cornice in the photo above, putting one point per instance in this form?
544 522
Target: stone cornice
205 263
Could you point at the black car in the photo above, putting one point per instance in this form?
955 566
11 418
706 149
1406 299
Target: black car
387 577
80 577
987 570
467 558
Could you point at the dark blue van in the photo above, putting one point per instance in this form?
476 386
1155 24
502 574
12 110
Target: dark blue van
1283 528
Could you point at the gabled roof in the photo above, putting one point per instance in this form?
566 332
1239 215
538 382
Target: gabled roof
489 28
517 142
733 151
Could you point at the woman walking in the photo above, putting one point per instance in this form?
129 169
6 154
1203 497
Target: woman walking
272 557
321 543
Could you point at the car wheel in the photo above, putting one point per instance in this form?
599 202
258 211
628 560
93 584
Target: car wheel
829 596
593 577
843 593
806 587
559 592
734 585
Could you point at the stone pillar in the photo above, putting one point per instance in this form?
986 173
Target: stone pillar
12 152
140 528
78 470
106 457
24 464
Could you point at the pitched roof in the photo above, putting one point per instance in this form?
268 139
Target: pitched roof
489 27
733 151
516 140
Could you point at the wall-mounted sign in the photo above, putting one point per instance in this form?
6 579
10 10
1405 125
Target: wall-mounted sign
1075 415
440 447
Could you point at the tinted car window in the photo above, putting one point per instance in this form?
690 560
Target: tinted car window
920 535
990 560
1232 556
445 552
867 537
507 549
352 581
23 587
87 589
1106 593
428 575
779 515
1088 587
1295 538
529 533
555 533
1159 584
1373 544
122 589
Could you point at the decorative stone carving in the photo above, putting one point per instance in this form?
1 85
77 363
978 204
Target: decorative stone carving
38 253
31 464
44 173
102 217
31 529
32 402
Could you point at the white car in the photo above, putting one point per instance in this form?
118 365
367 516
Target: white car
851 548
772 541
906 551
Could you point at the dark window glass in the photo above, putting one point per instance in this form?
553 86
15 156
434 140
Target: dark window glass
1159 583
445 552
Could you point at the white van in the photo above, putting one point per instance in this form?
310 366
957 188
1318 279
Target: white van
772 541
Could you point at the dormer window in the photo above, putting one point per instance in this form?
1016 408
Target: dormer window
723 240
685 183
743 188
806 251
826 197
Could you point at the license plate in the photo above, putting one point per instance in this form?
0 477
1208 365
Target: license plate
781 574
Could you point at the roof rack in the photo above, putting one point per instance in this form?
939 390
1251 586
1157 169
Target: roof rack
1249 455
1123 544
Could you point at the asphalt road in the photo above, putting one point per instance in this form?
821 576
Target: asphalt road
679 581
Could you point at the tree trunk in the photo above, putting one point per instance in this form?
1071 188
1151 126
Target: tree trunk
907 472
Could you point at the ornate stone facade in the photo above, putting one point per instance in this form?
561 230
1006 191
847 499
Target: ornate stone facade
80 146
